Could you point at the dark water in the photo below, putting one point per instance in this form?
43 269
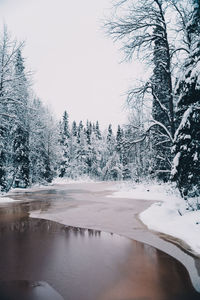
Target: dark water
24 289
43 260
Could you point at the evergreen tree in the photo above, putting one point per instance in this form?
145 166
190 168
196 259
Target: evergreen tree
21 132
123 153
13 112
186 163
79 130
112 169
97 130
110 140
3 173
74 129
88 132
96 155
44 145
119 140
65 145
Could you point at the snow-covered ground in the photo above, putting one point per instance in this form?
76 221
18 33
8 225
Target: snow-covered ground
172 215
6 199
58 180
145 191
82 179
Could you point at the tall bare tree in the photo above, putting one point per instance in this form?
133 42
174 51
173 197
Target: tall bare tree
142 26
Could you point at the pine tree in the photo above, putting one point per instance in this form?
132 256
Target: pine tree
21 133
74 129
88 132
96 154
112 169
13 112
44 144
119 140
97 131
110 140
123 153
65 145
79 130
3 173
186 149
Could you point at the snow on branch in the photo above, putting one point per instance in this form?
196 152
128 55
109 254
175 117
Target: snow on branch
157 123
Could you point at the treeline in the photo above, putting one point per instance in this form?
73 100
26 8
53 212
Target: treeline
162 139
35 148
165 35
85 150
28 140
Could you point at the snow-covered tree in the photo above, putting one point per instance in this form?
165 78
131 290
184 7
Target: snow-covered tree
45 153
21 130
142 27
113 168
111 142
186 149
65 144
13 98
97 130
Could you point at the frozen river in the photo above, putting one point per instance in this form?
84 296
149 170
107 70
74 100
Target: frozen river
39 257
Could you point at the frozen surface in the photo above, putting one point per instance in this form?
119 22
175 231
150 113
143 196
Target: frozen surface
6 199
171 218
88 205
172 215
146 191
82 179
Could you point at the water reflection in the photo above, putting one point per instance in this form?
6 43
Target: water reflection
84 264
27 290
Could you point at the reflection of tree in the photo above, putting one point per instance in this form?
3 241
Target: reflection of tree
82 231
21 210
29 225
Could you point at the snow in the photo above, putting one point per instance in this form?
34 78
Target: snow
82 179
183 121
165 218
145 191
175 163
172 215
6 199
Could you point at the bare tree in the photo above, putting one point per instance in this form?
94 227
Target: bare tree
142 27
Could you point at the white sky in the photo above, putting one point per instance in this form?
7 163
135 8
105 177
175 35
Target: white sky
76 67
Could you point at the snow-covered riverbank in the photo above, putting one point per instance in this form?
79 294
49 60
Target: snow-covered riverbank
171 215
6 199
92 206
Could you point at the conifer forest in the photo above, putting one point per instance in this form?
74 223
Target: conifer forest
100 186
161 140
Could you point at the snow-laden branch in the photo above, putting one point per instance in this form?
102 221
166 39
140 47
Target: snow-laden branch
157 123
14 117
179 49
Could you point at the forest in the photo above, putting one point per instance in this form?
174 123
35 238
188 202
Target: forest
162 138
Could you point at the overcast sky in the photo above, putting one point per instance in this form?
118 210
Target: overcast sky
76 67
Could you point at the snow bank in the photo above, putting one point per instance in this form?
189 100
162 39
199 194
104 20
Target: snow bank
58 180
172 215
166 218
6 199
83 179
145 191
